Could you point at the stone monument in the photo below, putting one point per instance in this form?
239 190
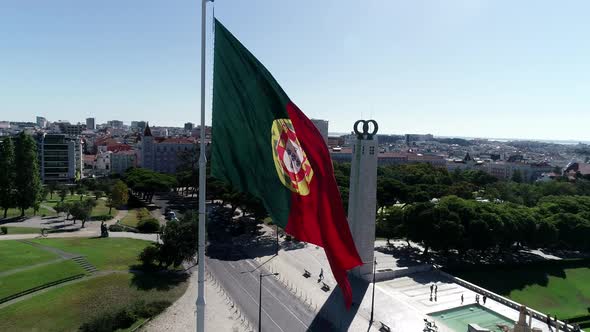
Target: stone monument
522 325
362 198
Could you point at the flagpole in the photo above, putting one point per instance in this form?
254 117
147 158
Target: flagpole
202 184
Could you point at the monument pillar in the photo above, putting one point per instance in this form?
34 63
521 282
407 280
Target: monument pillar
362 199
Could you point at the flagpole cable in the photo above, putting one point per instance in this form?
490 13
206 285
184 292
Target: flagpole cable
202 184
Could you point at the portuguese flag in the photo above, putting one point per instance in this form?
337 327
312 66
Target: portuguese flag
266 146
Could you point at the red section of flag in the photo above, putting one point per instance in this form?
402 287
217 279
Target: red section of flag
319 217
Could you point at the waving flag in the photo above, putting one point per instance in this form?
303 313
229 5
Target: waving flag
266 146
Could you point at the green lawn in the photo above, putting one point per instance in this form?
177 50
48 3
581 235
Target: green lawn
28 213
561 292
14 254
27 279
104 253
99 210
66 308
56 199
23 230
130 219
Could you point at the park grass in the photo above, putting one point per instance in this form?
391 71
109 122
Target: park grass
15 254
561 292
20 281
68 307
13 212
23 230
99 210
102 209
103 253
130 219
56 199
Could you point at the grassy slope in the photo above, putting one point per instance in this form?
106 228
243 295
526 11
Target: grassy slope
565 293
23 230
66 308
21 281
99 210
14 254
130 219
104 253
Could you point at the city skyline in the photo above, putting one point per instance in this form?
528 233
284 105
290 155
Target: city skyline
472 69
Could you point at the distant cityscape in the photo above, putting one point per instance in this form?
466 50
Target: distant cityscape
69 152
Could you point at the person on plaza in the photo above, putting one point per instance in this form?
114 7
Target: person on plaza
549 320
477 298
435 289
431 288
462 298
321 274
484 299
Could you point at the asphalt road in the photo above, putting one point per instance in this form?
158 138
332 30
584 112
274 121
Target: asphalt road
281 310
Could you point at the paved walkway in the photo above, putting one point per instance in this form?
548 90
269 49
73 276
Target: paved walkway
402 303
180 316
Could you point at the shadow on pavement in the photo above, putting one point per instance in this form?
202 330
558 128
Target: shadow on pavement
333 315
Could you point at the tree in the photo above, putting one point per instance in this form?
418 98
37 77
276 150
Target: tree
98 194
517 176
119 195
63 193
81 191
179 242
28 183
7 175
51 188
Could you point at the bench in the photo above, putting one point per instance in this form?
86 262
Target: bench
325 287
384 328
306 274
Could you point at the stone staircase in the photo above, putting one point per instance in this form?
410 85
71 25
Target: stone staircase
85 264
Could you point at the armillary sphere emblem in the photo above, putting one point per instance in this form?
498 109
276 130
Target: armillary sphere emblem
367 125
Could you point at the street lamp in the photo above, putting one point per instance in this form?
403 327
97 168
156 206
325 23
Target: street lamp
373 295
260 299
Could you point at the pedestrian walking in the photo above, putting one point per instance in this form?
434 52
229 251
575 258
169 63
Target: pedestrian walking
431 288
484 299
321 274
435 289
462 298
477 298
549 320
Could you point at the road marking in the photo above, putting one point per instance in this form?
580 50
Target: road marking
289 310
237 282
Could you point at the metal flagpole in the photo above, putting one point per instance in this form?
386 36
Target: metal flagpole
202 179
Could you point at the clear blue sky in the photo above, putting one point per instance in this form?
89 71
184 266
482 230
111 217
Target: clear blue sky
494 68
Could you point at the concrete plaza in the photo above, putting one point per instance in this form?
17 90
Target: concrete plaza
401 303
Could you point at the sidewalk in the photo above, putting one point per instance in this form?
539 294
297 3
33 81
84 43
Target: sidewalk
180 316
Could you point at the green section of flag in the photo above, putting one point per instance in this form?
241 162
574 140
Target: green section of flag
246 101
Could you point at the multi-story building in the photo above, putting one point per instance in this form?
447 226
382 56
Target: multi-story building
322 126
189 126
71 129
122 160
41 122
60 158
117 124
90 124
529 171
162 154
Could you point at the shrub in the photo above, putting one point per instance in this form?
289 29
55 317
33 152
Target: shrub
149 255
3 230
150 225
116 228
124 318
104 217
141 309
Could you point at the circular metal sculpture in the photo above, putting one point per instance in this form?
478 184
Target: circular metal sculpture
366 131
